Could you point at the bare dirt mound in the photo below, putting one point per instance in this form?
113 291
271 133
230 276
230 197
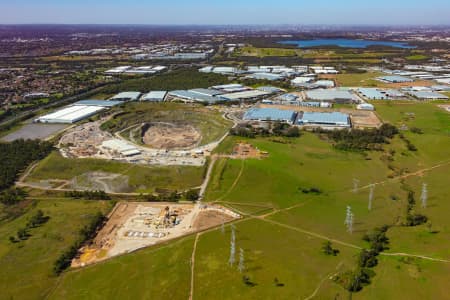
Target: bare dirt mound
108 182
170 136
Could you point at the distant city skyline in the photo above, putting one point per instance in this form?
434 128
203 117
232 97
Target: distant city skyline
230 12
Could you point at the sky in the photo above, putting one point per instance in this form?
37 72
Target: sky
226 12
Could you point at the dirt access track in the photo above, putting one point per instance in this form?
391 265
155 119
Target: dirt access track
170 136
135 225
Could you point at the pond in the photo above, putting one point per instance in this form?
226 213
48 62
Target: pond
346 43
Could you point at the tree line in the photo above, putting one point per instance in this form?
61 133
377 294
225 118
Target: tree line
85 234
273 129
179 79
361 139
89 195
355 280
17 155
36 220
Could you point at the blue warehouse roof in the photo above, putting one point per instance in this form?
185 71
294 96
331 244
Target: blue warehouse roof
372 93
396 78
324 118
270 114
104 103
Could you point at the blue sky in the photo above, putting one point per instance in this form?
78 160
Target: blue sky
346 12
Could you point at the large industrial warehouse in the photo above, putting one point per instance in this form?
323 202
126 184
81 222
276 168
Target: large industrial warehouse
78 111
324 119
332 95
70 114
270 114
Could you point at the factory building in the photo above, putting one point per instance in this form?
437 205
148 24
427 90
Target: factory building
195 96
225 70
266 76
230 88
332 95
270 114
315 104
154 96
427 95
117 70
300 81
270 89
395 79
379 94
288 97
245 95
325 84
70 114
324 119
36 95
206 92
324 70
121 147
104 103
372 94
365 106
127 96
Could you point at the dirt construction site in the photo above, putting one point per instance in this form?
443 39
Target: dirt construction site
89 141
170 136
135 225
244 150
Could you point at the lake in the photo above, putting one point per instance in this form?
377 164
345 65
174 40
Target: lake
346 43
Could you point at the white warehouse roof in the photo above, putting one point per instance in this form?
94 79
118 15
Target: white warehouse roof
245 95
154 96
70 114
132 96
120 146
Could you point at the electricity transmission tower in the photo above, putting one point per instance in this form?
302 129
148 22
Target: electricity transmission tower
232 258
424 196
241 266
372 188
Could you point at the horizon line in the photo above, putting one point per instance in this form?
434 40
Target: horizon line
231 25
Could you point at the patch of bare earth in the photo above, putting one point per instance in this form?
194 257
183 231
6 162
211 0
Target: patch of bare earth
171 136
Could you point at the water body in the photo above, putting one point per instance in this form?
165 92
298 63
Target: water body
346 43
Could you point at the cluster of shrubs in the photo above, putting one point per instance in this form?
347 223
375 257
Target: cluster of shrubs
171 196
89 195
328 249
312 190
408 143
17 155
86 233
413 218
36 220
361 139
12 196
276 129
355 280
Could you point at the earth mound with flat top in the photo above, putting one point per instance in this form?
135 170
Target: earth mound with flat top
170 136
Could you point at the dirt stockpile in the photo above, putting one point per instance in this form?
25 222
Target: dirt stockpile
170 136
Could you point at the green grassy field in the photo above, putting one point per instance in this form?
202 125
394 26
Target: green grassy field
309 161
263 52
270 252
26 266
285 227
417 57
400 278
364 79
141 178
156 273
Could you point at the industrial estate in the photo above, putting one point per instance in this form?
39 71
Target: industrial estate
159 163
